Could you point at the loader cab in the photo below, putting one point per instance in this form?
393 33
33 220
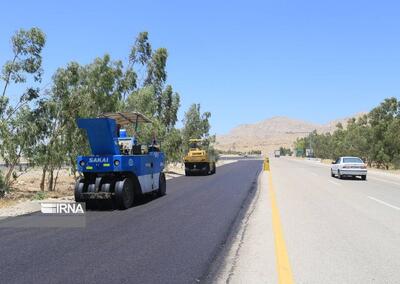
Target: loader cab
195 144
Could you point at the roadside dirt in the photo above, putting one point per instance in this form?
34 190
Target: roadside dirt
25 195
27 187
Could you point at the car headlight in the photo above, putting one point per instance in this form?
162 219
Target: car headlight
82 163
116 163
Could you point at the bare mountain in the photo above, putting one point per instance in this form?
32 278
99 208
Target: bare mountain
271 133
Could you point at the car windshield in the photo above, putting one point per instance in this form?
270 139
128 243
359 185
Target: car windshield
352 160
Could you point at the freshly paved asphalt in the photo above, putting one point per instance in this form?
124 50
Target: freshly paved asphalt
173 239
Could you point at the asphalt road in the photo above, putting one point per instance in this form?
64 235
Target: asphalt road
338 231
173 239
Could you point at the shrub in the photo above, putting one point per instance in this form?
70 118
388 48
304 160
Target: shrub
39 195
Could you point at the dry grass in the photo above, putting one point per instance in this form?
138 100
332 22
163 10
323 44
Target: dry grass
27 186
6 202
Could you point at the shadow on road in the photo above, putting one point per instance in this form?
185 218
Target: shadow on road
109 205
351 178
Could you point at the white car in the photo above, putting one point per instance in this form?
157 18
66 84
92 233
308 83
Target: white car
349 166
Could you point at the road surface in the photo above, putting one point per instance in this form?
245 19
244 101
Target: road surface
338 231
173 239
333 231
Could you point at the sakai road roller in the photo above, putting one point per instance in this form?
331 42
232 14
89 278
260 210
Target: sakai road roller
199 160
119 169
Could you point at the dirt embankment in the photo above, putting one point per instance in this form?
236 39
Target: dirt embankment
27 186
25 195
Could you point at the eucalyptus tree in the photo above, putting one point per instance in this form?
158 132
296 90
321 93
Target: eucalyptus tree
17 129
196 124
152 97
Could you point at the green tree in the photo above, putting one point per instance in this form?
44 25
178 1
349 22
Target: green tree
196 124
375 137
152 99
170 104
83 91
143 101
392 140
380 119
16 124
285 151
141 51
172 145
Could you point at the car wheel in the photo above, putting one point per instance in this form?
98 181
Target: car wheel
187 173
364 177
339 174
332 174
124 193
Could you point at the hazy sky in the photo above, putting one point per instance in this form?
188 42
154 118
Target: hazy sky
242 60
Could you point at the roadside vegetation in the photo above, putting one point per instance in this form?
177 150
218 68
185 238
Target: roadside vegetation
375 137
285 151
38 125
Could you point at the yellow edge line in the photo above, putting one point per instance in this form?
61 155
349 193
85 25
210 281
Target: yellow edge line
282 259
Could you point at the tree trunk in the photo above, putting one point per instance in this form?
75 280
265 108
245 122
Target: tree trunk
44 169
50 182
55 180
72 165
8 177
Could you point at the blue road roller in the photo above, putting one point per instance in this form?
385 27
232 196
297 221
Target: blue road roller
119 168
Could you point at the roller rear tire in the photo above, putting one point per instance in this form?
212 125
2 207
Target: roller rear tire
79 188
162 186
124 193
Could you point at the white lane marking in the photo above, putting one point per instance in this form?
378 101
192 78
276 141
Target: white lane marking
384 180
334 182
384 203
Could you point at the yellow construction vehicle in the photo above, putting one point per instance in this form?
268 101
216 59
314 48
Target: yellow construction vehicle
199 160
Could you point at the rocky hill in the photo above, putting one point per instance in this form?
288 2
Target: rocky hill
271 134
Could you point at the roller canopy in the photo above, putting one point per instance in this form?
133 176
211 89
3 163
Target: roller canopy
127 118
101 133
